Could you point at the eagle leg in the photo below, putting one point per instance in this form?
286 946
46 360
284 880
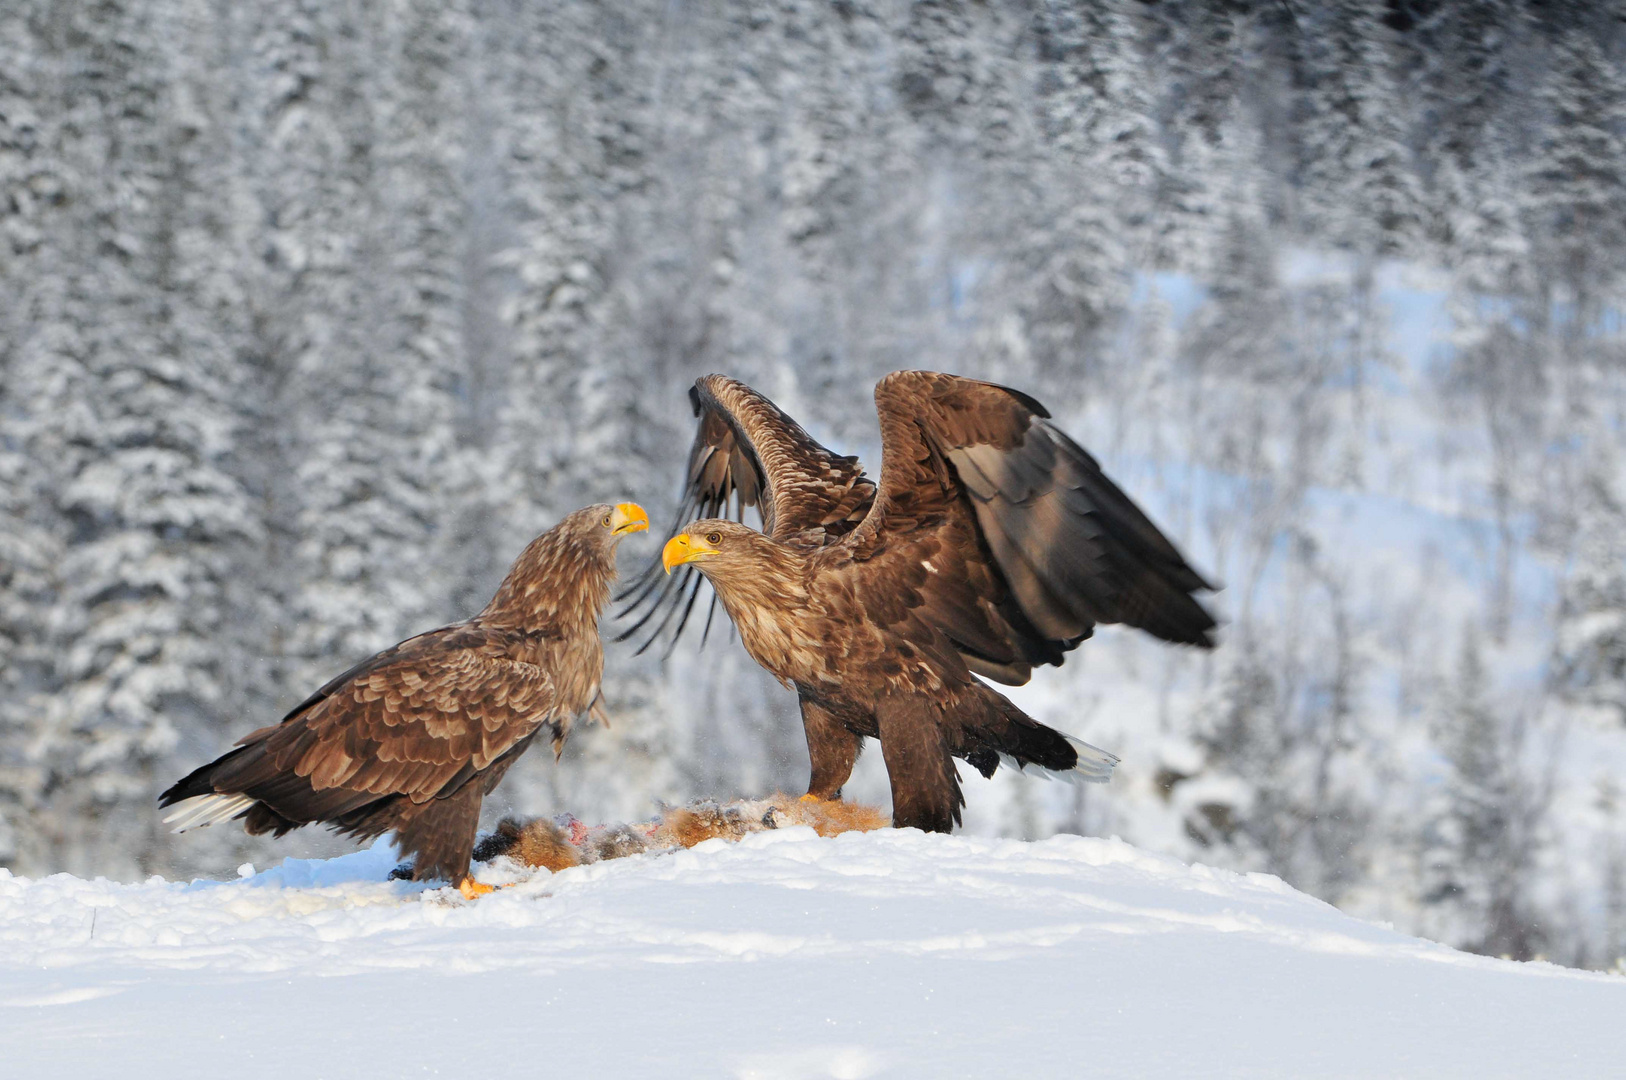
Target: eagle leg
925 788
440 835
832 748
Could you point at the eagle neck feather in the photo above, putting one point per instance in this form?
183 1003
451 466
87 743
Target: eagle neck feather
559 585
771 604
558 580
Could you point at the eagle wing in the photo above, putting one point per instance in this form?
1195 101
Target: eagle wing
748 453
421 720
999 530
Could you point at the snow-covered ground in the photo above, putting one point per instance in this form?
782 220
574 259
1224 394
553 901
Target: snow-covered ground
882 954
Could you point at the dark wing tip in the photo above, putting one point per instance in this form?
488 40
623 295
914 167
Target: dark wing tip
1195 629
1027 401
1074 549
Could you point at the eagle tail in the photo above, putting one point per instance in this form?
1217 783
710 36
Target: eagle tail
1094 765
196 802
247 783
199 781
999 732
196 811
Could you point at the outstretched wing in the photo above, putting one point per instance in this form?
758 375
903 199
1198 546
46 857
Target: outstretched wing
420 720
748 453
1012 538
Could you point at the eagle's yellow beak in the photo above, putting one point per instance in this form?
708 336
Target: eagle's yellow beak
684 548
628 518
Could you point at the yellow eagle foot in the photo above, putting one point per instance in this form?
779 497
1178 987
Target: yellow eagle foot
471 888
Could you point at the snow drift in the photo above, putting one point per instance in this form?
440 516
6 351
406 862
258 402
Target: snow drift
870 954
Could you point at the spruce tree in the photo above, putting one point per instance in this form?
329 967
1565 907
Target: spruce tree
1486 827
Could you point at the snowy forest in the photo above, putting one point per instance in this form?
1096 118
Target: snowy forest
314 312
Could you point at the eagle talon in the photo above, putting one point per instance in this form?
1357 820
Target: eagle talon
471 888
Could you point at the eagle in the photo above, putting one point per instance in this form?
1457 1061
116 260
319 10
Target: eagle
993 543
412 739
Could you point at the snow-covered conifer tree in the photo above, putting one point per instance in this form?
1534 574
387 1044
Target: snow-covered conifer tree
1590 649
1359 186
1578 182
1484 831
132 390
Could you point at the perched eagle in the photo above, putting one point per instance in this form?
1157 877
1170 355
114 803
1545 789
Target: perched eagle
992 543
413 739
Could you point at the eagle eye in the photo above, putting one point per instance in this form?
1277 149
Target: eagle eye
606 521
714 539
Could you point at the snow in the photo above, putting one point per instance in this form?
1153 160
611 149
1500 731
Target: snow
868 955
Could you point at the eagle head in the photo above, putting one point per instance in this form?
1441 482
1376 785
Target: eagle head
567 567
742 564
759 581
607 524
713 544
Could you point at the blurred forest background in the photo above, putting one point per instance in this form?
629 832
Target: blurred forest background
313 312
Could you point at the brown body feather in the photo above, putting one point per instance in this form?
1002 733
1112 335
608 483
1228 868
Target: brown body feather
412 739
992 543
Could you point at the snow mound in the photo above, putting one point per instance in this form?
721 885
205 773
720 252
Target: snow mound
891 953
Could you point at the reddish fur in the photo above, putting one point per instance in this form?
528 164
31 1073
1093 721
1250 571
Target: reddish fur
542 843
831 817
687 827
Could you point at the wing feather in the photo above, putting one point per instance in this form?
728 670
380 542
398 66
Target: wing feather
1042 544
747 453
418 721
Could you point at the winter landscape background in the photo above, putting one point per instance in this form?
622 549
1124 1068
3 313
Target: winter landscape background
313 313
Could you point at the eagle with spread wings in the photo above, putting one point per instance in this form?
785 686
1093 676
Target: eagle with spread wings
992 543
412 740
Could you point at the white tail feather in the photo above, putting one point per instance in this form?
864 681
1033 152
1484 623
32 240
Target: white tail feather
1094 765
201 810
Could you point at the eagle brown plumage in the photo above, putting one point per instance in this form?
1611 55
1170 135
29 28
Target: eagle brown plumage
412 739
993 543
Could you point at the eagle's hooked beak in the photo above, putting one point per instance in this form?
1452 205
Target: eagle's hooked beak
684 548
628 518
